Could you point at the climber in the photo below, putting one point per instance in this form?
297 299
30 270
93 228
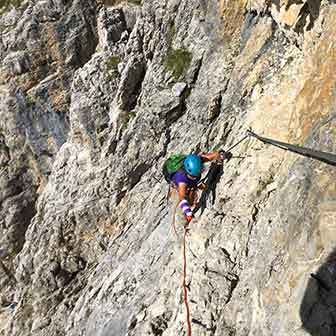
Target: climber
185 180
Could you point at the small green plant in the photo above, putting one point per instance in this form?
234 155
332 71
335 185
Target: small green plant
136 2
112 63
126 118
30 100
172 32
109 3
112 67
178 61
130 116
6 4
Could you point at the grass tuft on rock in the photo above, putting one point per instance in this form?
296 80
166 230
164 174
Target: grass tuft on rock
112 67
128 117
109 3
6 4
178 62
112 63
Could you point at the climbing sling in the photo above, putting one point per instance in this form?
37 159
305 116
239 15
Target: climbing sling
328 158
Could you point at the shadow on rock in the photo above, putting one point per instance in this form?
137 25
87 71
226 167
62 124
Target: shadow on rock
309 13
211 181
318 307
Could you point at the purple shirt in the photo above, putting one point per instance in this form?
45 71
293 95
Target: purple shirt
181 177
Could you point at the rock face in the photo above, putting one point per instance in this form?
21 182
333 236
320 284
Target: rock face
95 96
41 46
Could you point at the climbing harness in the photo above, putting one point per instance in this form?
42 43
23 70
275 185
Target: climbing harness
328 158
184 282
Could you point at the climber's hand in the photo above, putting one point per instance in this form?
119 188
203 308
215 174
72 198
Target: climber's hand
202 186
223 155
189 218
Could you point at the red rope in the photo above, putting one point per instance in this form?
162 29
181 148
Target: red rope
184 270
184 282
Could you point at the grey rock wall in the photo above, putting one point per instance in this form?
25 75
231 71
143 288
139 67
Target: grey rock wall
95 96
42 44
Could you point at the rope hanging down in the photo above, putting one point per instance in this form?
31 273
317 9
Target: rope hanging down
328 158
184 282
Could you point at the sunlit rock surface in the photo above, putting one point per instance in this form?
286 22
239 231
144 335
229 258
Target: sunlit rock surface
94 96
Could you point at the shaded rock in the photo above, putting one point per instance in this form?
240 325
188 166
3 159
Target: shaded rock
214 107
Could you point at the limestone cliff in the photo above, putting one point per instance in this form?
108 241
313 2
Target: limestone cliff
94 95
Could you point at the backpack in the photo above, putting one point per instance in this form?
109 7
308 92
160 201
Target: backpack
172 165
